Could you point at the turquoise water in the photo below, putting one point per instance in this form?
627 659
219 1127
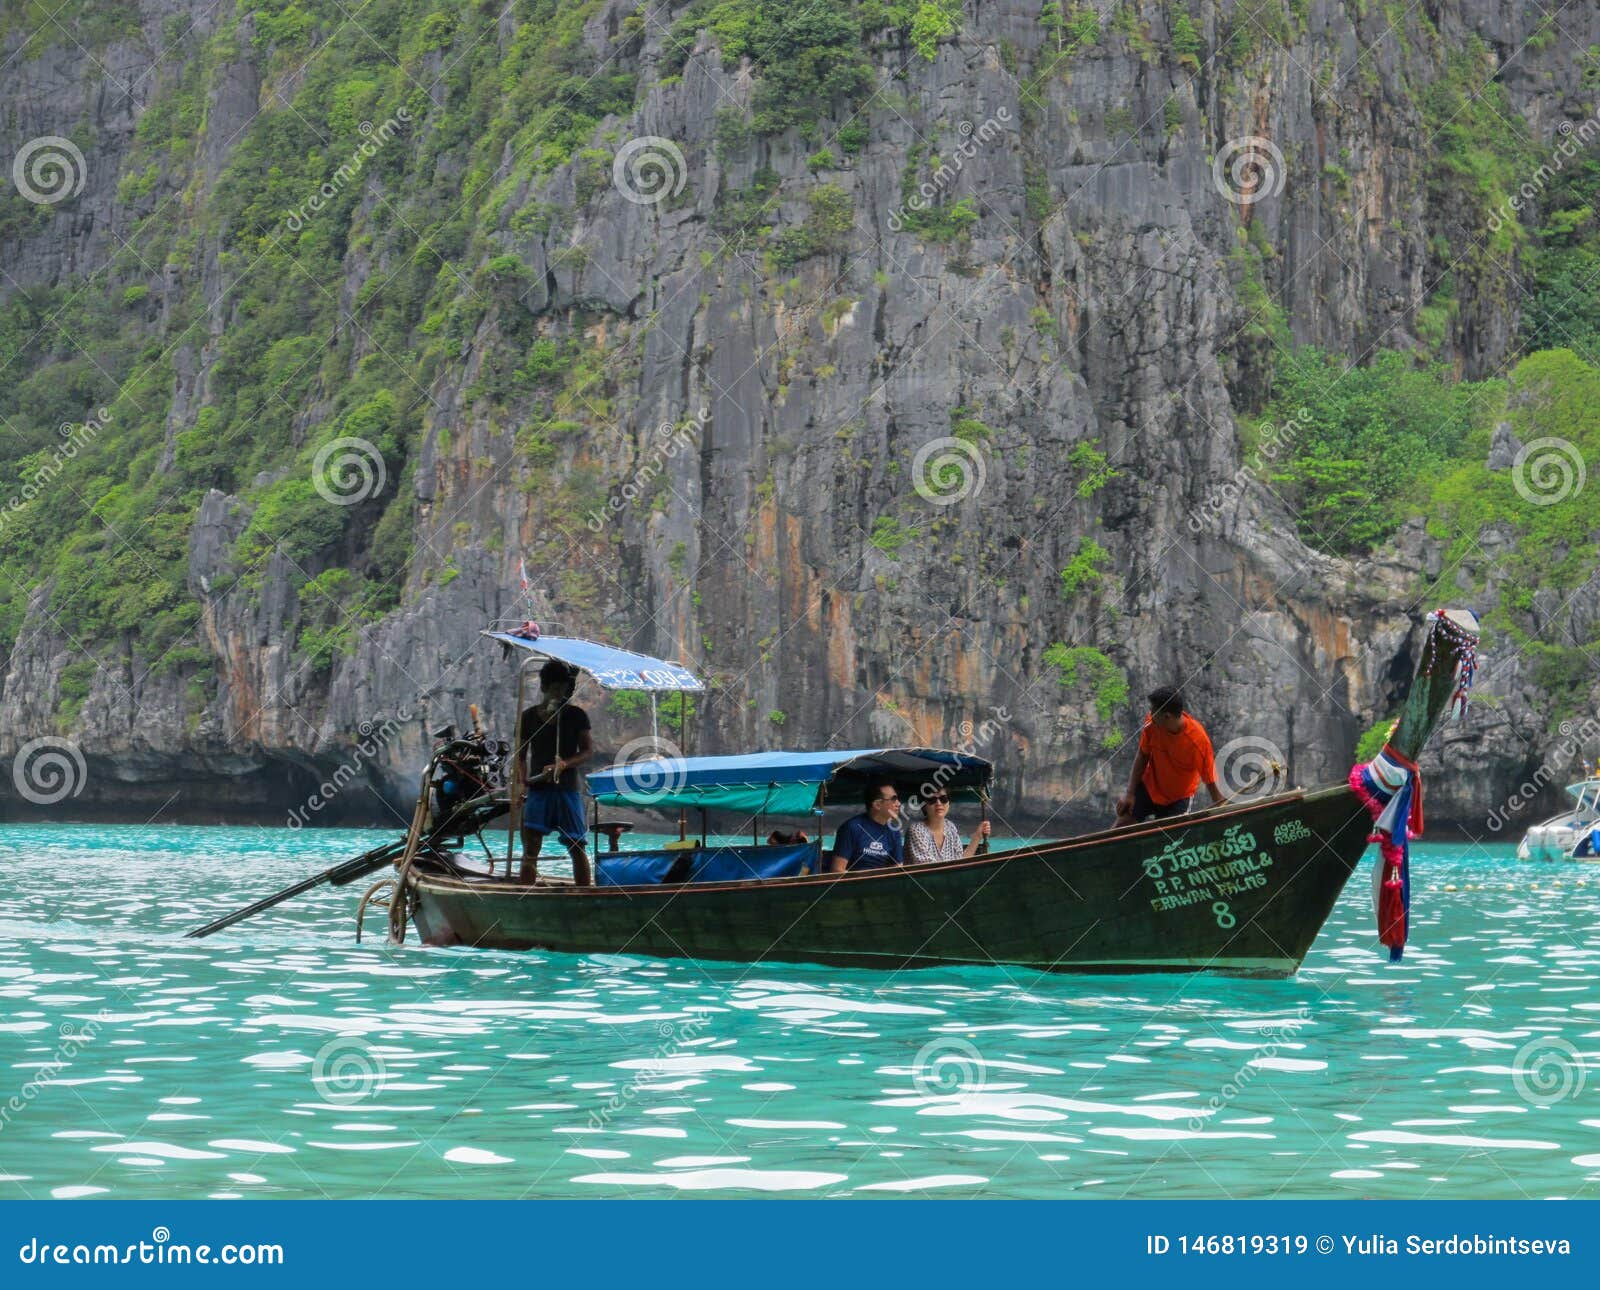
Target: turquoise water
282 1059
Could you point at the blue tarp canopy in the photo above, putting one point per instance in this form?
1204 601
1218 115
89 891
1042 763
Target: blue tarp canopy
783 783
611 668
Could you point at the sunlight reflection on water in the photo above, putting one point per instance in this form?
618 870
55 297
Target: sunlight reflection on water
280 1058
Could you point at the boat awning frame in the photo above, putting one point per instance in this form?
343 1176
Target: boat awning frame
783 783
610 667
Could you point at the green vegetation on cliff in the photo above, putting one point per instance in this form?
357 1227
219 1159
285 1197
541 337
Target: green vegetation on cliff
1373 439
812 58
1083 669
290 218
374 258
1562 307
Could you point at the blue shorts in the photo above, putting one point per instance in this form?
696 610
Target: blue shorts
555 810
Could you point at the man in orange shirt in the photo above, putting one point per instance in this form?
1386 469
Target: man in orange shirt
1174 759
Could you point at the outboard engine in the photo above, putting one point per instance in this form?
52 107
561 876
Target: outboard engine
465 767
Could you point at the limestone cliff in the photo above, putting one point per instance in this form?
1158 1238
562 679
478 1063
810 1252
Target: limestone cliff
822 404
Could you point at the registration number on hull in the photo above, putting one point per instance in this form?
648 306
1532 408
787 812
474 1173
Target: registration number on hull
1211 873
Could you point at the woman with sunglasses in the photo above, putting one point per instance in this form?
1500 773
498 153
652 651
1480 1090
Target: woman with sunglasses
934 837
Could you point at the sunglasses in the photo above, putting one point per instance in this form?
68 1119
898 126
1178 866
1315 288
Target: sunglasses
943 799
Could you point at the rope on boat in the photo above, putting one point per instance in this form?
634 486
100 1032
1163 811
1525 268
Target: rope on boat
1271 767
400 903
371 895
400 900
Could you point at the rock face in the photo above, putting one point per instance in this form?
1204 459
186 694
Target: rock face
844 487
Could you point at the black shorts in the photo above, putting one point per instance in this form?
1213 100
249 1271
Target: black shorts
1147 808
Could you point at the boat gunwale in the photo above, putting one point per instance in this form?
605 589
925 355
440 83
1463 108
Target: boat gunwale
457 886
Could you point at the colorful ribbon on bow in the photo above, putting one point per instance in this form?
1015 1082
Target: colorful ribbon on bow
1390 787
1466 658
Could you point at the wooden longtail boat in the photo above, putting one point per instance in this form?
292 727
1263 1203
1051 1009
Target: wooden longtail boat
1239 889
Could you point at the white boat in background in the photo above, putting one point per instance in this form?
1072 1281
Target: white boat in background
1570 835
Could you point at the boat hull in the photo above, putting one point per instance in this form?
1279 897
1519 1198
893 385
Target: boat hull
1241 891
1556 842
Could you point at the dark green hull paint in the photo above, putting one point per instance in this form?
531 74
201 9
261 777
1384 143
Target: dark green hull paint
1086 904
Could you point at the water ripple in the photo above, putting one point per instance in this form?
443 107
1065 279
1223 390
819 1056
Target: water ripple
281 1058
